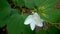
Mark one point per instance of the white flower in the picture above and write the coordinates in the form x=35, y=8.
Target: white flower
x=34, y=20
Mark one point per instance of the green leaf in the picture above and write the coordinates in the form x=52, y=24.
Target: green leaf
x=51, y=15
x=53, y=30
x=29, y=3
x=2, y=23
x=4, y=11
x=39, y=2
x=3, y=4
x=42, y=32
x=50, y=30
x=47, y=11
x=19, y=3
x=24, y=3
x=15, y=24
x=34, y=3
x=46, y=3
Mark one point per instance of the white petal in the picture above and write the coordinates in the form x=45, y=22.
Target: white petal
x=39, y=21
x=36, y=15
x=32, y=25
x=28, y=20
x=40, y=24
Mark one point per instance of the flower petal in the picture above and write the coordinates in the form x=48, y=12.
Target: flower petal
x=32, y=25
x=28, y=20
x=40, y=24
x=36, y=15
x=39, y=20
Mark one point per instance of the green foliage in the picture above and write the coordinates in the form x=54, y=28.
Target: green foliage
x=53, y=30
x=15, y=20
x=50, y=30
x=2, y=24
x=42, y=32
x=47, y=11
x=15, y=24
x=4, y=11
x=19, y=3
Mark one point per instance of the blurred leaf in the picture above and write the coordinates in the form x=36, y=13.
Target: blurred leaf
x=39, y=2
x=48, y=3
x=15, y=21
x=15, y=24
x=50, y=30
x=42, y=32
x=4, y=11
x=3, y=4
x=51, y=15
x=47, y=11
x=2, y=23
x=24, y=3
x=19, y=3
x=53, y=30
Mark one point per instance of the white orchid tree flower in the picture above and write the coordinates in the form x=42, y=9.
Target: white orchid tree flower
x=34, y=20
